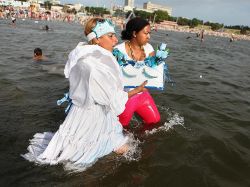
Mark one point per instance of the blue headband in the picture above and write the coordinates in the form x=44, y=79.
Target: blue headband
x=100, y=29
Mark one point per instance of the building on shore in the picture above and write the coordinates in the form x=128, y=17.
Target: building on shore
x=54, y=2
x=154, y=7
x=14, y=3
x=168, y=25
x=77, y=7
x=128, y=5
x=56, y=8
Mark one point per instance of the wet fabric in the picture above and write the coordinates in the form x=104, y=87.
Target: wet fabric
x=91, y=128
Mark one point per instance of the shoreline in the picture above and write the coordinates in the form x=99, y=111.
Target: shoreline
x=28, y=13
x=231, y=36
x=172, y=26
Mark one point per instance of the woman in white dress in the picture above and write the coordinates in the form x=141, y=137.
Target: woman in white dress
x=91, y=128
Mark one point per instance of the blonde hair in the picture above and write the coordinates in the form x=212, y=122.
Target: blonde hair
x=89, y=25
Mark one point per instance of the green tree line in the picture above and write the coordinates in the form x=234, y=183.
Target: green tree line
x=157, y=16
x=97, y=10
x=163, y=15
x=243, y=29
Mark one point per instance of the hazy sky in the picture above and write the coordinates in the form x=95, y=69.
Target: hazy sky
x=229, y=12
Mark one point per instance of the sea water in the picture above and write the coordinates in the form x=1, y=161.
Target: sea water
x=204, y=135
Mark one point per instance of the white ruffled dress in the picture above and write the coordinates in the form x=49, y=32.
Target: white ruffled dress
x=91, y=128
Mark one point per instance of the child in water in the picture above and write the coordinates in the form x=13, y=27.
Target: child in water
x=38, y=55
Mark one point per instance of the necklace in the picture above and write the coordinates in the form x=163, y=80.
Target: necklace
x=143, y=55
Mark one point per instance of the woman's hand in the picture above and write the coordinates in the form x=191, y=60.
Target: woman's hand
x=138, y=89
x=142, y=88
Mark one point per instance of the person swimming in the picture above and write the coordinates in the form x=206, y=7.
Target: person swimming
x=46, y=28
x=38, y=54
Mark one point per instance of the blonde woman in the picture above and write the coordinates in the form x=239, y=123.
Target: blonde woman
x=91, y=128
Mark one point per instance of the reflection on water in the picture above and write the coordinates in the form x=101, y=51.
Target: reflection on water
x=202, y=140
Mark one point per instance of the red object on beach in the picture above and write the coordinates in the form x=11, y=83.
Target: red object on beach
x=144, y=105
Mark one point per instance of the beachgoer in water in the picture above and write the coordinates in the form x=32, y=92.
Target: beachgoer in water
x=46, y=27
x=13, y=20
x=232, y=38
x=137, y=48
x=202, y=35
x=91, y=129
x=38, y=54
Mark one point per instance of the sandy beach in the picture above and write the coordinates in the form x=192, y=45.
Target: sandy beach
x=173, y=26
x=206, y=32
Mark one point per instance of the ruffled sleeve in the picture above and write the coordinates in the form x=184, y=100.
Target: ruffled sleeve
x=105, y=90
x=148, y=49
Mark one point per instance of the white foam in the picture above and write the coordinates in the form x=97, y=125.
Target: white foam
x=176, y=119
x=134, y=153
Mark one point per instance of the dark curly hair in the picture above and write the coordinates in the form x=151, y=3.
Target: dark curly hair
x=136, y=24
x=38, y=52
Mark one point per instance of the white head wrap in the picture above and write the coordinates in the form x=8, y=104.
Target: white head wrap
x=100, y=29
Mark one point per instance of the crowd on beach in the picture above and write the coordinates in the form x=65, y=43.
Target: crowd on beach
x=11, y=12
x=28, y=13
x=177, y=28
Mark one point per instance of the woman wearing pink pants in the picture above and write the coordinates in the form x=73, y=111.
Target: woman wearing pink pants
x=136, y=48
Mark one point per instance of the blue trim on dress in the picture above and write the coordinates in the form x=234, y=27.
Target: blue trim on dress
x=66, y=98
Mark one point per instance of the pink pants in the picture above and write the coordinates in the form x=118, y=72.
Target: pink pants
x=144, y=105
